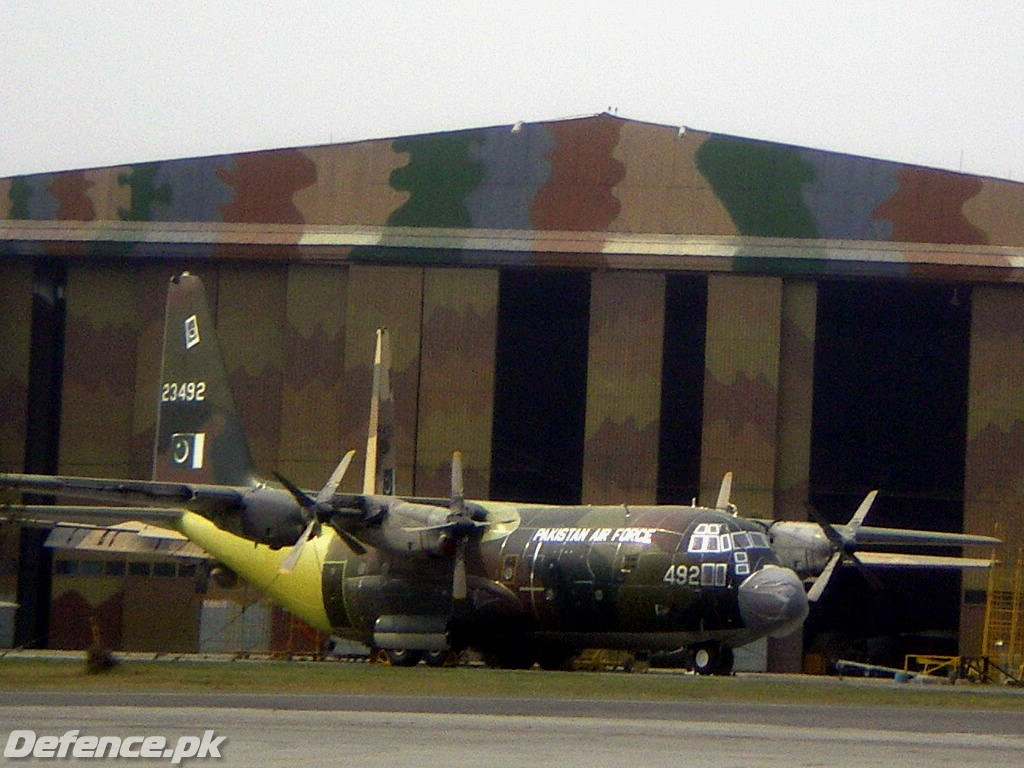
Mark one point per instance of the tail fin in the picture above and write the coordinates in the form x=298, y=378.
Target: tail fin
x=199, y=437
x=379, y=473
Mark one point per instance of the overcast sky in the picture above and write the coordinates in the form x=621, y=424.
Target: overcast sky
x=88, y=83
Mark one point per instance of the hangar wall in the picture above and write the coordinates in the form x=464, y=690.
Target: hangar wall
x=741, y=386
x=620, y=452
x=594, y=174
x=306, y=251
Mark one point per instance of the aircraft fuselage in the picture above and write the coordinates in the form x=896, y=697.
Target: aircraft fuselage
x=642, y=578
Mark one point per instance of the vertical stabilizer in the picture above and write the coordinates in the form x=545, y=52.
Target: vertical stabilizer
x=379, y=473
x=199, y=437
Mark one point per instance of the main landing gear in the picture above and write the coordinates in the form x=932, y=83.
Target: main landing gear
x=402, y=658
x=396, y=657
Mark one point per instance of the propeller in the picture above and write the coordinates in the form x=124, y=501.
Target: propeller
x=462, y=526
x=844, y=547
x=314, y=510
x=456, y=527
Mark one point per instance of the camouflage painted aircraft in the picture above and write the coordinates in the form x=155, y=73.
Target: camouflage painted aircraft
x=424, y=578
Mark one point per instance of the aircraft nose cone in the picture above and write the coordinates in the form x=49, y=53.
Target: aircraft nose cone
x=772, y=601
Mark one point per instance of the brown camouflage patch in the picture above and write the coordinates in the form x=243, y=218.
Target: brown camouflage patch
x=70, y=191
x=579, y=194
x=258, y=202
x=928, y=207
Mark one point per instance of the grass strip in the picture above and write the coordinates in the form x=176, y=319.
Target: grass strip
x=301, y=677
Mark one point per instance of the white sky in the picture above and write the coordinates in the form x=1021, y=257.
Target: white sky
x=85, y=83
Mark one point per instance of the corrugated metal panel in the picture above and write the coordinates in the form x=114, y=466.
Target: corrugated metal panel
x=994, y=478
x=741, y=388
x=456, y=398
x=391, y=297
x=251, y=314
x=16, y=320
x=796, y=398
x=627, y=315
x=312, y=418
x=100, y=343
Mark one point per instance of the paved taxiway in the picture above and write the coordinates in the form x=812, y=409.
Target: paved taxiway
x=268, y=730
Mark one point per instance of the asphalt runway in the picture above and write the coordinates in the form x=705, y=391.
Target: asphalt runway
x=267, y=730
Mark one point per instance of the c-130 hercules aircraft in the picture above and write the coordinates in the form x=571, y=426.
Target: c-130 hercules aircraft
x=423, y=578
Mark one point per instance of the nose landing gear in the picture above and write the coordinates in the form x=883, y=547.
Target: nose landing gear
x=712, y=659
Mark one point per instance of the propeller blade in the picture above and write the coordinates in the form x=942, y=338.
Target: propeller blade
x=296, y=551
x=315, y=509
x=454, y=523
x=327, y=492
x=873, y=581
x=299, y=495
x=459, y=571
x=818, y=587
x=862, y=511
x=353, y=543
x=458, y=501
x=458, y=519
x=833, y=535
x=845, y=546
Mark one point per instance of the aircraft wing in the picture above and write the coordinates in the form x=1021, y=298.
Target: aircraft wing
x=898, y=560
x=868, y=535
x=141, y=493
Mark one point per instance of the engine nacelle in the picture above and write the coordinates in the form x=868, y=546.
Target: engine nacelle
x=802, y=547
x=402, y=526
x=271, y=516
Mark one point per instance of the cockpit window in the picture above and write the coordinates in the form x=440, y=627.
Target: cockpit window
x=715, y=537
x=707, y=537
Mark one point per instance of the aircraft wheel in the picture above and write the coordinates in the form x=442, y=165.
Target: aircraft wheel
x=441, y=658
x=403, y=657
x=712, y=659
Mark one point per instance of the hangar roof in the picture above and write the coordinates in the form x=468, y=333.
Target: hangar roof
x=593, y=192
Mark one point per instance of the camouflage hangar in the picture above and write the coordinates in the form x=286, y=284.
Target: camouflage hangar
x=594, y=309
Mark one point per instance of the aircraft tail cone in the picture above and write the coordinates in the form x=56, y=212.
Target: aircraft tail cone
x=773, y=601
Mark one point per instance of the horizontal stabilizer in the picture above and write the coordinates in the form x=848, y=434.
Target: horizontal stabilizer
x=137, y=527
x=45, y=514
x=126, y=538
